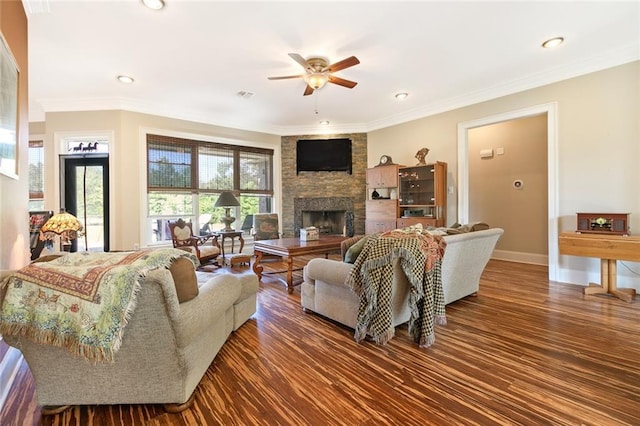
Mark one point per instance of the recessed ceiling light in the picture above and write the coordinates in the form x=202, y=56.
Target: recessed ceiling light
x=125, y=79
x=154, y=4
x=553, y=42
x=401, y=95
x=324, y=122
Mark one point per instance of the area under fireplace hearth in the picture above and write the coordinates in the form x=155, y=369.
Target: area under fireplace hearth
x=331, y=215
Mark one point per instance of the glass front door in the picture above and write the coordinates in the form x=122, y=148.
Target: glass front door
x=86, y=195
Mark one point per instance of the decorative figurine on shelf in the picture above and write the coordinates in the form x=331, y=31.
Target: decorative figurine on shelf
x=421, y=155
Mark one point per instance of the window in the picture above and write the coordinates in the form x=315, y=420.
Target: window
x=36, y=175
x=185, y=178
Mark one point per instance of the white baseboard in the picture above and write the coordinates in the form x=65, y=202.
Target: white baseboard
x=521, y=257
x=9, y=366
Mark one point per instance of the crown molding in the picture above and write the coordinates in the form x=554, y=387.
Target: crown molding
x=626, y=54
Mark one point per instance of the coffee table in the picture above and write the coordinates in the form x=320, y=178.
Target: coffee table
x=290, y=248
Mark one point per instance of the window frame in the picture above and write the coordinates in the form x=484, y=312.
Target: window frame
x=37, y=196
x=194, y=187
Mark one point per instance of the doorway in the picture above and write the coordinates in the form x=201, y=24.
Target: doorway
x=508, y=185
x=85, y=194
x=551, y=111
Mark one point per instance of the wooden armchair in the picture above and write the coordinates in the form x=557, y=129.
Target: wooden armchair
x=183, y=238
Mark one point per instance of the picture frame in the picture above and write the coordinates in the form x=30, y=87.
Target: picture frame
x=9, y=80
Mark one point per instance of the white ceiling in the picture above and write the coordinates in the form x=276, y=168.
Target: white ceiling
x=190, y=59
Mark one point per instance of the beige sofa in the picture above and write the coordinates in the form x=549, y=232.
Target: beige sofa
x=166, y=348
x=324, y=291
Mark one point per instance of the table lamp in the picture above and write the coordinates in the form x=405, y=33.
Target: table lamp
x=64, y=224
x=227, y=200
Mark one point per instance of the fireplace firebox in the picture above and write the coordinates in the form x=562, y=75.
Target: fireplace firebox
x=331, y=215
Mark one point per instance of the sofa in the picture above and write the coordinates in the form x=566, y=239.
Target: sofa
x=166, y=348
x=324, y=291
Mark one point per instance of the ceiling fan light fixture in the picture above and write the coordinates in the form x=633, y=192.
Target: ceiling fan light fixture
x=316, y=80
x=553, y=42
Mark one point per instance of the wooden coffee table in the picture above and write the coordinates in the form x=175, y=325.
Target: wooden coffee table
x=290, y=248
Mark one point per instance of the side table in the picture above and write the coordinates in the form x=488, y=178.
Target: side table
x=610, y=249
x=230, y=234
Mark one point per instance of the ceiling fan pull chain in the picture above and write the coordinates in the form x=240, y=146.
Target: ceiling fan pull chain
x=316, y=100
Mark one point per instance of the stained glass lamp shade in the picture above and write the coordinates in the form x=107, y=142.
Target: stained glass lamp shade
x=64, y=224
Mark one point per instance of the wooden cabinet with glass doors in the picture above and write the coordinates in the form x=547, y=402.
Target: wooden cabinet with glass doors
x=422, y=195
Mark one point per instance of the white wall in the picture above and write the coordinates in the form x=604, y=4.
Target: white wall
x=598, y=151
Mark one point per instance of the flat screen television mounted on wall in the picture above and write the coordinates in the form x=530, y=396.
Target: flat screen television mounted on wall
x=323, y=155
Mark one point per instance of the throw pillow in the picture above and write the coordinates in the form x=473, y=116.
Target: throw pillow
x=479, y=226
x=345, y=244
x=184, y=278
x=352, y=253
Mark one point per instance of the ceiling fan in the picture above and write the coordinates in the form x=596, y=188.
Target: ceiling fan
x=319, y=71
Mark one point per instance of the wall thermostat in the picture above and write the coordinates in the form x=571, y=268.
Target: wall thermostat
x=518, y=184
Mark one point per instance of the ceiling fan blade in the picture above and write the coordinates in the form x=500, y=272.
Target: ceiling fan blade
x=299, y=59
x=284, y=77
x=345, y=63
x=308, y=90
x=342, y=82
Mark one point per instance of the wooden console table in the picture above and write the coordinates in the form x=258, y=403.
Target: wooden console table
x=610, y=249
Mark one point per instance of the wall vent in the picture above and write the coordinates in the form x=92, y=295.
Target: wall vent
x=245, y=94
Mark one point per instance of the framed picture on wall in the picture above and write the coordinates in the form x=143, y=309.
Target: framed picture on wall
x=8, y=111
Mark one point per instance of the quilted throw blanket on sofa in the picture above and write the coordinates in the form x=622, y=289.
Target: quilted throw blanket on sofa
x=80, y=301
x=420, y=258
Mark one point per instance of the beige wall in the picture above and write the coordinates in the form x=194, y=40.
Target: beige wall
x=598, y=153
x=521, y=212
x=14, y=195
x=127, y=159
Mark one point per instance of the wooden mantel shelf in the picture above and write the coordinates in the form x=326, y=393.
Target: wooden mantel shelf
x=610, y=249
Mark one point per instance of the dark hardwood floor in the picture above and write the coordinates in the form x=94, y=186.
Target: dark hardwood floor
x=525, y=351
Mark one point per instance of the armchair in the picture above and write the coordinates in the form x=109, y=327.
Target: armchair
x=183, y=238
x=265, y=226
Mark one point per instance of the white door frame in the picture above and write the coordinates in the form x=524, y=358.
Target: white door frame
x=551, y=109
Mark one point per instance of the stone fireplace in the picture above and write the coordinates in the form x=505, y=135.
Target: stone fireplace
x=331, y=215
